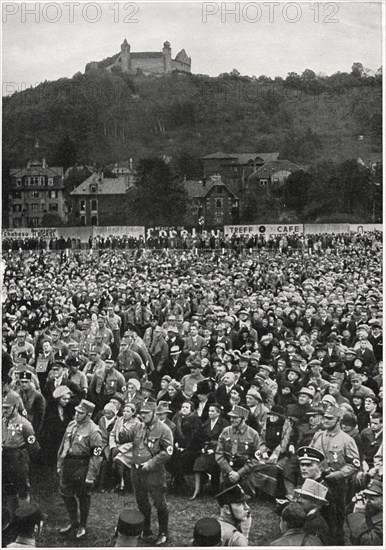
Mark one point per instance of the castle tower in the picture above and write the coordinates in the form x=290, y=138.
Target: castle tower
x=167, y=55
x=125, y=57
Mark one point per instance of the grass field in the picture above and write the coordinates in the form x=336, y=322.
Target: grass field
x=105, y=509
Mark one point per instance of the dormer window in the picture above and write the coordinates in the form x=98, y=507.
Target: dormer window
x=50, y=181
x=93, y=188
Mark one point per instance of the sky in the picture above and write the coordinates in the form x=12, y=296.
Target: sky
x=46, y=41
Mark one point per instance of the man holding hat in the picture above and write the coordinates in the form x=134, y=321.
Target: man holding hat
x=238, y=451
x=129, y=528
x=29, y=522
x=312, y=496
x=292, y=521
x=342, y=462
x=18, y=442
x=235, y=516
x=366, y=528
x=79, y=462
x=152, y=448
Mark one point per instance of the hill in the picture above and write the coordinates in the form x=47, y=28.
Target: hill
x=101, y=117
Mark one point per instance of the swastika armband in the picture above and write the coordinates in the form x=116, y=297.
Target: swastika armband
x=97, y=451
x=31, y=439
x=169, y=450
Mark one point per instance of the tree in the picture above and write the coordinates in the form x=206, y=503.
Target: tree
x=295, y=193
x=160, y=200
x=52, y=219
x=66, y=153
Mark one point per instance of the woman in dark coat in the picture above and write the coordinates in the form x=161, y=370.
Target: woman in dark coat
x=187, y=444
x=59, y=413
x=206, y=463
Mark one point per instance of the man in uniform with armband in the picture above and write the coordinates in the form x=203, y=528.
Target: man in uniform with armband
x=341, y=463
x=18, y=443
x=79, y=461
x=239, y=450
x=152, y=448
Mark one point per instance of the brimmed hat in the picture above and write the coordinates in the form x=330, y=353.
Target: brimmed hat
x=294, y=368
x=315, y=363
x=130, y=522
x=375, y=487
x=148, y=385
x=313, y=489
x=315, y=409
x=232, y=495
x=207, y=532
x=85, y=407
x=203, y=387
x=61, y=391
x=239, y=412
x=167, y=378
x=163, y=407
x=130, y=406
x=252, y=392
x=277, y=410
x=136, y=383
x=307, y=391
x=334, y=411
x=28, y=515
x=174, y=350
x=172, y=329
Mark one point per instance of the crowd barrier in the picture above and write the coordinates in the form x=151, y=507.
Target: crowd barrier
x=84, y=234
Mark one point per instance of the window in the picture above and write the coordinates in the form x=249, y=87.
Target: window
x=17, y=222
x=82, y=206
x=219, y=204
x=219, y=190
x=16, y=208
x=35, y=194
x=263, y=183
x=17, y=195
x=41, y=180
x=93, y=205
x=83, y=220
x=51, y=181
x=218, y=218
x=93, y=188
x=35, y=207
x=34, y=222
x=94, y=220
x=18, y=182
x=53, y=194
x=53, y=207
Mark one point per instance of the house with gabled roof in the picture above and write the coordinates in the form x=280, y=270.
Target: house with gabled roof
x=210, y=203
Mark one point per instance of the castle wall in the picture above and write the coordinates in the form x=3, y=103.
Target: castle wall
x=150, y=65
x=178, y=65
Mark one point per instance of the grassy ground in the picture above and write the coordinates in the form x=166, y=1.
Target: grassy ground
x=105, y=509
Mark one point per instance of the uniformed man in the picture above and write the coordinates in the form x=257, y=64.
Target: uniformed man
x=79, y=461
x=239, y=451
x=341, y=462
x=366, y=526
x=235, y=516
x=28, y=522
x=152, y=448
x=129, y=528
x=18, y=443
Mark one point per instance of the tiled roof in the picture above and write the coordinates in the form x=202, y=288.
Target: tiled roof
x=110, y=186
x=196, y=189
x=37, y=170
x=275, y=166
x=243, y=158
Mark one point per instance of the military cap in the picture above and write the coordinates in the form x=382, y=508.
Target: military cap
x=267, y=368
x=375, y=487
x=25, y=376
x=130, y=522
x=351, y=351
x=207, y=532
x=11, y=399
x=294, y=368
x=58, y=365
x=150, y=406
x=85, y=407
x=239, y=412
x=242, y=311
x=167, y=378
x=61, y=391
x=231, y=495
x=315, y=363
x=334, y=411
x=306, y=454
x=373, y=398
x=109, y=362
x=315, y=409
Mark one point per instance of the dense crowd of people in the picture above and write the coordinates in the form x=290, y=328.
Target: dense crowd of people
x=235, y=374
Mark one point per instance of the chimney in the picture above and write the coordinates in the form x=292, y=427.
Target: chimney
x=29, y=164
x=204, y=182
x=44, y=163
x=131, y=164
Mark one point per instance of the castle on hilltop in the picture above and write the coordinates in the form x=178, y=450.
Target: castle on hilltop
x=149, y=63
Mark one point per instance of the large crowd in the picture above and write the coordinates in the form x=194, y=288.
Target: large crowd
x=253, y=370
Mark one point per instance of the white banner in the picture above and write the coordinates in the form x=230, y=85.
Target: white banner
x=264, y=229
x=364, y=227
x=28, y=233
x=119, y=231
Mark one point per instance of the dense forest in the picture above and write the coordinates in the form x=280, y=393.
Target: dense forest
x=101, y=117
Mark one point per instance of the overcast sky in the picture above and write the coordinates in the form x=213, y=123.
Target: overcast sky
x=56, y=41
